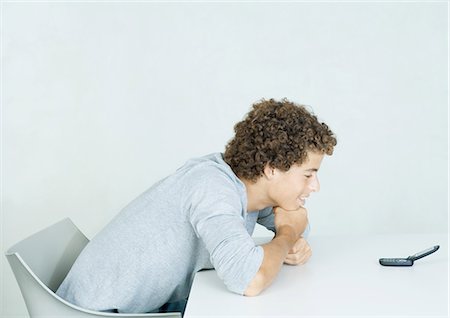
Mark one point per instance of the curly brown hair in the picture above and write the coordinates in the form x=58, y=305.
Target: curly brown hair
x=278, y=133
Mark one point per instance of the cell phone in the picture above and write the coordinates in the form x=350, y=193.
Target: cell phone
x=409, y=261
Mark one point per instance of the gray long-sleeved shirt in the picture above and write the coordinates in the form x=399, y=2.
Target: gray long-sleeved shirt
x=148, y=254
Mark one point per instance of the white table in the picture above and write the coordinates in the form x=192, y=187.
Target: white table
x=342, y=278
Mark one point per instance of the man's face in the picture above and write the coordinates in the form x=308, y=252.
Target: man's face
x=289, y=189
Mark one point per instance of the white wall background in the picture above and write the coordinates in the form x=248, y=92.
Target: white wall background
x=100, y=100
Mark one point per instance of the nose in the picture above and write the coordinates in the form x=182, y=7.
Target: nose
x=314, y=185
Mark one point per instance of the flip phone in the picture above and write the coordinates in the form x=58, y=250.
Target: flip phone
x=409, y=261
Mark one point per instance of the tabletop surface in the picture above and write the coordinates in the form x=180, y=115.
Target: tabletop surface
x=342, y=278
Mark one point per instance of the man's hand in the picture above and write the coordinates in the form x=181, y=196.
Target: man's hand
x=299, y=253
x=297, y=219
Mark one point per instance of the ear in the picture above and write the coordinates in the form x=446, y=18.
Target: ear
x=269, y=172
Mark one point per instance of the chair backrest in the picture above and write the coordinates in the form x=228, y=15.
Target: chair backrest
x=50, y=253
x=41, y=262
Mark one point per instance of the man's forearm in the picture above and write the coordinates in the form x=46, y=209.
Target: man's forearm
x=275, y=253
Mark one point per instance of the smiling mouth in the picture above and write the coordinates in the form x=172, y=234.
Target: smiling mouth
x=301, y=201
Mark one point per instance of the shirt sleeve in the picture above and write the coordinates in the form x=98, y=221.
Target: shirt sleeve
x=215, y=209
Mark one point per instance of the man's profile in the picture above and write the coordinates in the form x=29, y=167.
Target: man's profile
x=203, y=216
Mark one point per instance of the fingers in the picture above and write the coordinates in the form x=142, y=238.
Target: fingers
x=277, y=209
x=298, y=259
x=300, y=245
x=299, y=254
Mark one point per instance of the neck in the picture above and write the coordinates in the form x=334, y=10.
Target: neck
x=256, y=195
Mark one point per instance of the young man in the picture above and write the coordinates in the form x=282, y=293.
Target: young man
x=203, y=215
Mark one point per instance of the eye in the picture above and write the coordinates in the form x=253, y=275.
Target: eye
x=308, y=175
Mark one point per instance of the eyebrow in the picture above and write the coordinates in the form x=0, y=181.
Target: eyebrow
x=312, y=169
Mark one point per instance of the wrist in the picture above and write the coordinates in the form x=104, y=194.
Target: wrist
x=288, y=233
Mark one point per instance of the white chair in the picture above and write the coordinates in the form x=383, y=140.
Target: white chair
x=41, y=262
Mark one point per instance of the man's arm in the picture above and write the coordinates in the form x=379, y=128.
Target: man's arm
x=289, y=225
x=275, y=253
